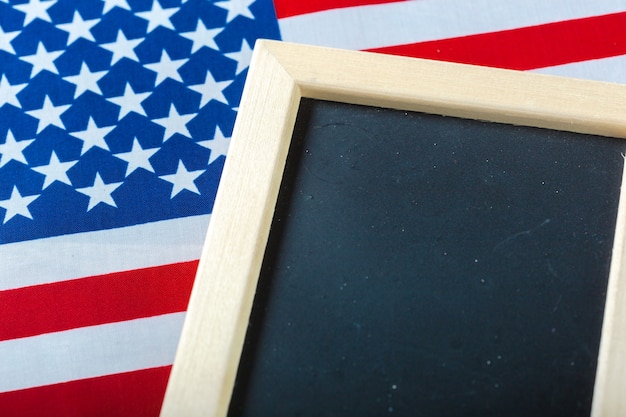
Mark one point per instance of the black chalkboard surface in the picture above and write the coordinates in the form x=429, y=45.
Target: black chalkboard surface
x=421, y=265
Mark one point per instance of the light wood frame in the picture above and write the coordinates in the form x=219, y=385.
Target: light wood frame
x=280, y=75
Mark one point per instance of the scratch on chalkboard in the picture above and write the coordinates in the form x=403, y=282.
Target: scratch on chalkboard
x=558, y=302
x=551, y=269
x=522, y=233
x=348, y=157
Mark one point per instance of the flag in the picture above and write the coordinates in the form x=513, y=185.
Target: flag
x=115, y=118
x=569, y=38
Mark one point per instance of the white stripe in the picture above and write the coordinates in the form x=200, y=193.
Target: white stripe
x=86, y=254
x=606, y=69
x=367, y=27
x=89, y=352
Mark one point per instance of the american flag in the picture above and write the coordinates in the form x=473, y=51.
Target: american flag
x=115, y=118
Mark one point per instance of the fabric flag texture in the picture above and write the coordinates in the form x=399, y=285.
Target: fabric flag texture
x=115, y=119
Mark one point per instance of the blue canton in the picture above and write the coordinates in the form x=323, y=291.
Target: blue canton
x=118, y=112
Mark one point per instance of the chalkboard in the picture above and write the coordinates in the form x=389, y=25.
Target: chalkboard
x=416, y=238
x=421, y=265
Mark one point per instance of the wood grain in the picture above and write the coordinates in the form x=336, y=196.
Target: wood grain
x=608, y=393
x=212, y=338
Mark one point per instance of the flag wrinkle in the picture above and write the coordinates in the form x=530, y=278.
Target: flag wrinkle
x=96, y=300
x=369, y=27
x=79, y=255
x=89, y=352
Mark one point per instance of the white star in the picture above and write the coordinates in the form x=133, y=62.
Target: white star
x=35, y=9
x=86, y=80
x=8, y=92
x=236, y=8
x=17, y=205
x=5, y=40
x=138, y=157
x=158, y=16
x=55, y=170
x=218, y=145
x=182, y=180
x=79, y=28
x=122, y=47
x=110, y=4
x=13, y=150
x=166, y=67
x=202, y=37
x=175, y=123
x=42, y=60
x=130, y=101
x=211, y=89
x=100, y=192
x=49, y=114
x=242, y=57
x=93, y=136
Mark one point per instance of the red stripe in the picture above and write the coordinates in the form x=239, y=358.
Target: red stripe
x=530, y=47
x=96, y=300
x=131, y=394
x=287, y=8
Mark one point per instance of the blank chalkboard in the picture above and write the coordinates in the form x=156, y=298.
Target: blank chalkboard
x=395, y=236
x=421, y=265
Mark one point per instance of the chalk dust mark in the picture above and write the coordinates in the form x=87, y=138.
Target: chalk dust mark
x=551, y=269
x=556, y=306
x=523, y=233
x=319, y=177
x=323, y=178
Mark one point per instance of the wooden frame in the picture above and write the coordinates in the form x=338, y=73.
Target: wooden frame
x=280, y=75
